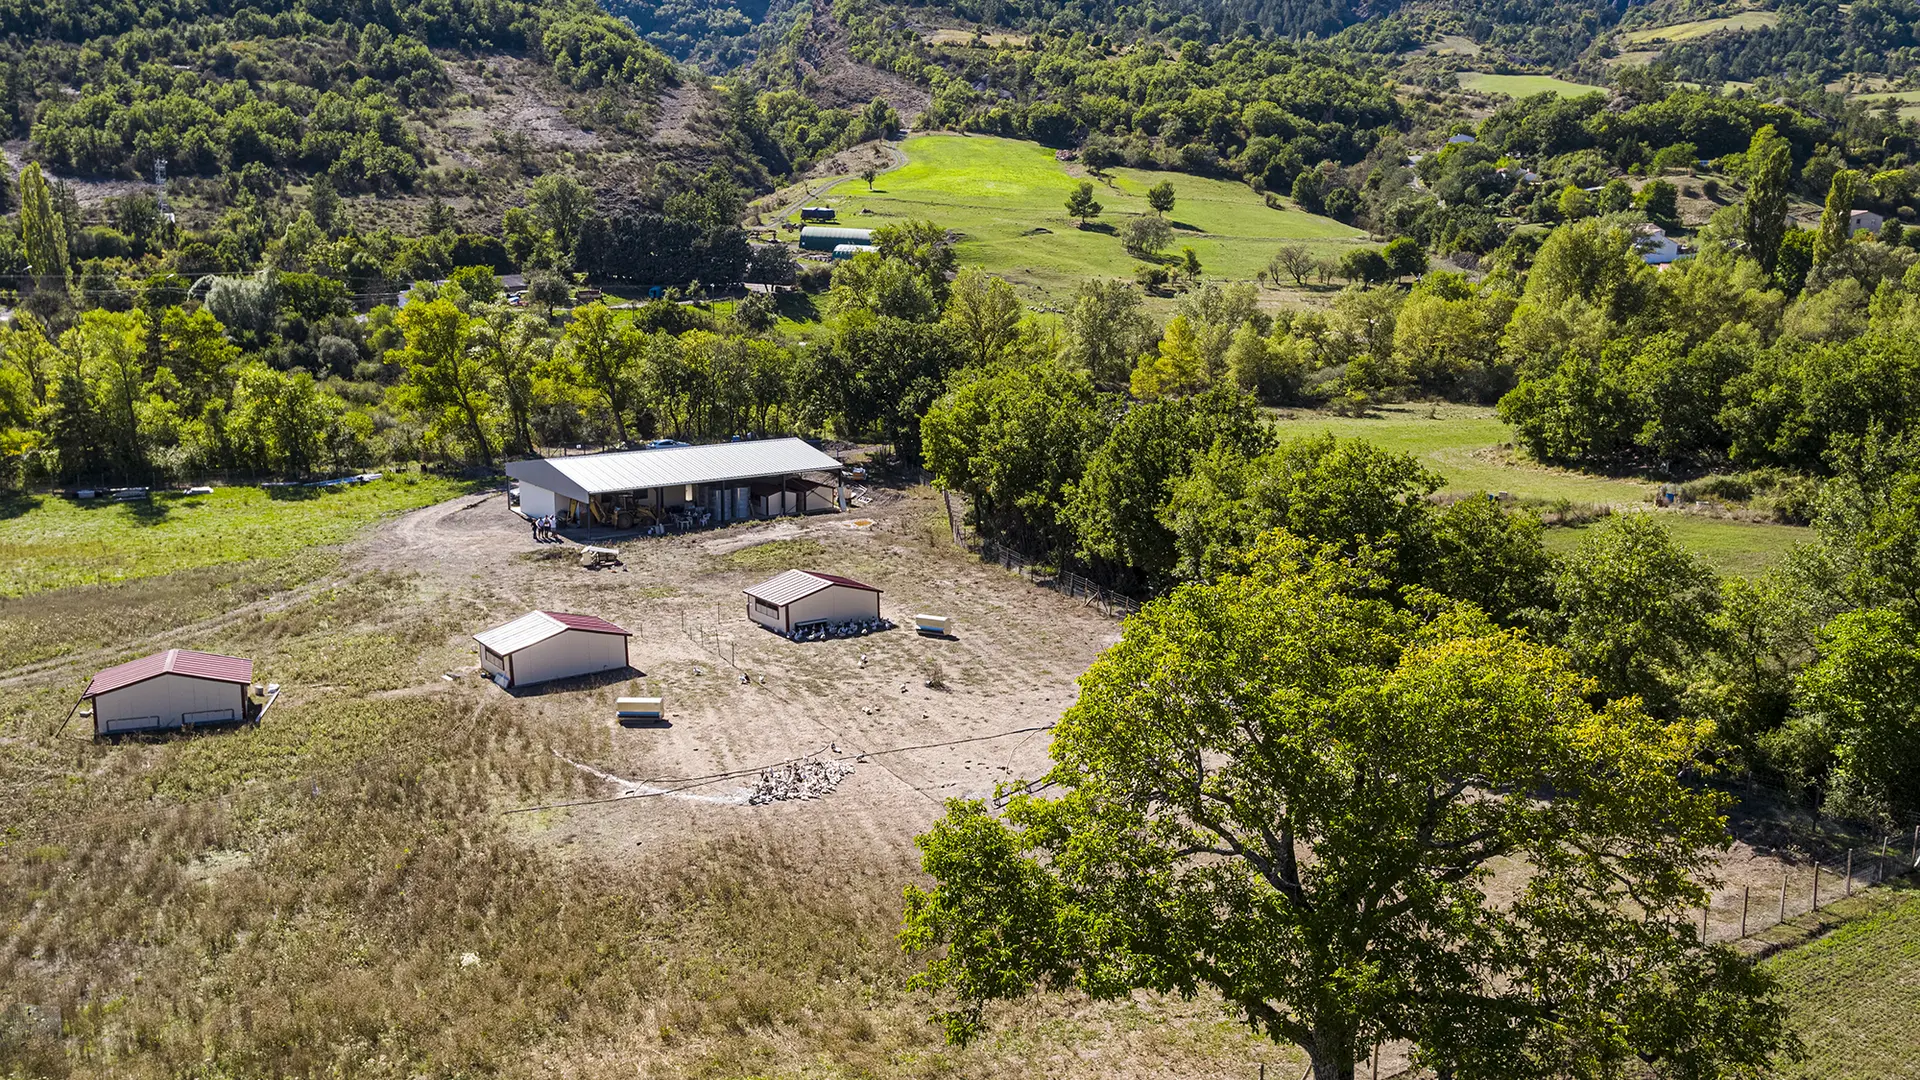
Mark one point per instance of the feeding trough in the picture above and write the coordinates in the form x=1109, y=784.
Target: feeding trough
x=638, y=708
x=933, y=625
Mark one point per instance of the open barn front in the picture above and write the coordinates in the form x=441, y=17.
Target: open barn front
x=674, y=489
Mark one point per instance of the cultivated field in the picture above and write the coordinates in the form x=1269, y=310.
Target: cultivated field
x=1909, y=101
x=1520, y=86
x=1007, y=199
x=1471, y=448
x=1699, y=28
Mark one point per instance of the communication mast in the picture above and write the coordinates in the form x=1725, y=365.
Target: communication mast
x=160, y=181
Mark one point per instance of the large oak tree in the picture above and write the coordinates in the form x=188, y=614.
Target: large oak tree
x=1355, y=821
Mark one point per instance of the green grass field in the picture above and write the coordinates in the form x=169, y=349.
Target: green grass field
x=1909, y=102
x=1520, y=86
x=1699, y=28
x=53, y=542
x=1467, y=445
x=1853, y=994
x=1008, y=200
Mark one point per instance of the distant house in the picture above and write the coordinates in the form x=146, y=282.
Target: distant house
x=1864, y=221
x=1655, y=246
x=1458, y=140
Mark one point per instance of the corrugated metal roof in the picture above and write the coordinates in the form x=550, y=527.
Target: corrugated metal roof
x=197, y=665
x=785, y=588
x=537, y=626
x=672, y=466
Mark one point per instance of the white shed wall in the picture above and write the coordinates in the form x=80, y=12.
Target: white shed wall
x=835, y=603
x=169, y=698
x=566, y=654
x=536, y=501
x=767, y=614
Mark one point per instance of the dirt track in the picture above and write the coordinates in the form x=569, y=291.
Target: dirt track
x=1012, y=668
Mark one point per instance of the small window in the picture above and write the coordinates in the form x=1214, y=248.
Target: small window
x=491, y=657
x=765, y=608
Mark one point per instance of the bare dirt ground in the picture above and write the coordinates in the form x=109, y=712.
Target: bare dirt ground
x=510, y=105
x=739, y=698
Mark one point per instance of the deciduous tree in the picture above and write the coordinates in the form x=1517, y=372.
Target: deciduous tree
x=1283, y=789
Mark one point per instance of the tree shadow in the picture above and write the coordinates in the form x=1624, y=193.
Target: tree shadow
x=152, y=510
x=13, y=506
x=292, y=493
x=1184, y=227
x=797, y=306
x=1098, y=227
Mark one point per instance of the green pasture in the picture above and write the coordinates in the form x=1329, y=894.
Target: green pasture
x=1852, y=994
x=1699, y=28
x=1520, y=86
x=1469, y=447
x=52, y=542
x=1909, y=102
x=1007, y=199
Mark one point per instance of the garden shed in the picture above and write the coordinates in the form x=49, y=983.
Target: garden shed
x=800, y=598
x=176, y=689
x=544, y=645
x=828, y=237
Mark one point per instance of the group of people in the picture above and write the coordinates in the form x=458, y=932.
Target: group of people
x=543, y=529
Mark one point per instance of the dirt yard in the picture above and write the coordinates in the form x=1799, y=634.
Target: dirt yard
x=739, y=698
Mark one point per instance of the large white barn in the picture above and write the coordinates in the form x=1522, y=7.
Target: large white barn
x=178, y=688
x=637, y=488
x=800, y=598
x=544, y=645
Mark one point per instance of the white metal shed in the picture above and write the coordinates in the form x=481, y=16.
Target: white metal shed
x=179, y=688
x=544, y=645
x=739, y=481
x=802, y=597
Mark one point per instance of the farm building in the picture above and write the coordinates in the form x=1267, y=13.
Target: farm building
x=800, y=598
x=1864, y=221
x=681, y=485
x=1655, y=246
x=544, y=645
x=816, y=213
x=848, y=251
x=178, y=688
x=826, y=238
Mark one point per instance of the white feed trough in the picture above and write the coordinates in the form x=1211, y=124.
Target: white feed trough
x=638, y=708
x=934, y=625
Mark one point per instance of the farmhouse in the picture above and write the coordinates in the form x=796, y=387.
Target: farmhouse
x=800, y=598
x=544, y=645
x=1655, y=246
x=1864, y=221
x=680, y=486
x=178, y=688
x=826, y=238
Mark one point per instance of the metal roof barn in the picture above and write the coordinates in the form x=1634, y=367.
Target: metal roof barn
x=725, y=482
x=828, y=237
x=179, y=688
x=802, y=597
x=544, y=645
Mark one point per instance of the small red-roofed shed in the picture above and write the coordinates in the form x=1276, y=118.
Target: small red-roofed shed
x=544, y=645
x=179, y=688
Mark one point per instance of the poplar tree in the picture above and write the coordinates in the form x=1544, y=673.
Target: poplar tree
x=1764, y=212
x=1836, y=221
x=43, y=231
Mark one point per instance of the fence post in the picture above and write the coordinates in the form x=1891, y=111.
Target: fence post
x=1816, y=885
x=1916, y=846
x=1704, y=908
x=1746, y=891
x=1849, y=872
x=1783, y=896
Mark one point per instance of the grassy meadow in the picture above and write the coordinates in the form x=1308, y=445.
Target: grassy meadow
x=52, y=542
x=1520, y=86
x=1853, y=992
x=1699, y=28
x=1007, y=199
x=1469, y=447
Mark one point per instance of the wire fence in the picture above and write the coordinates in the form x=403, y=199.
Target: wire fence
x=1107, y=601
x=1741, y=910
